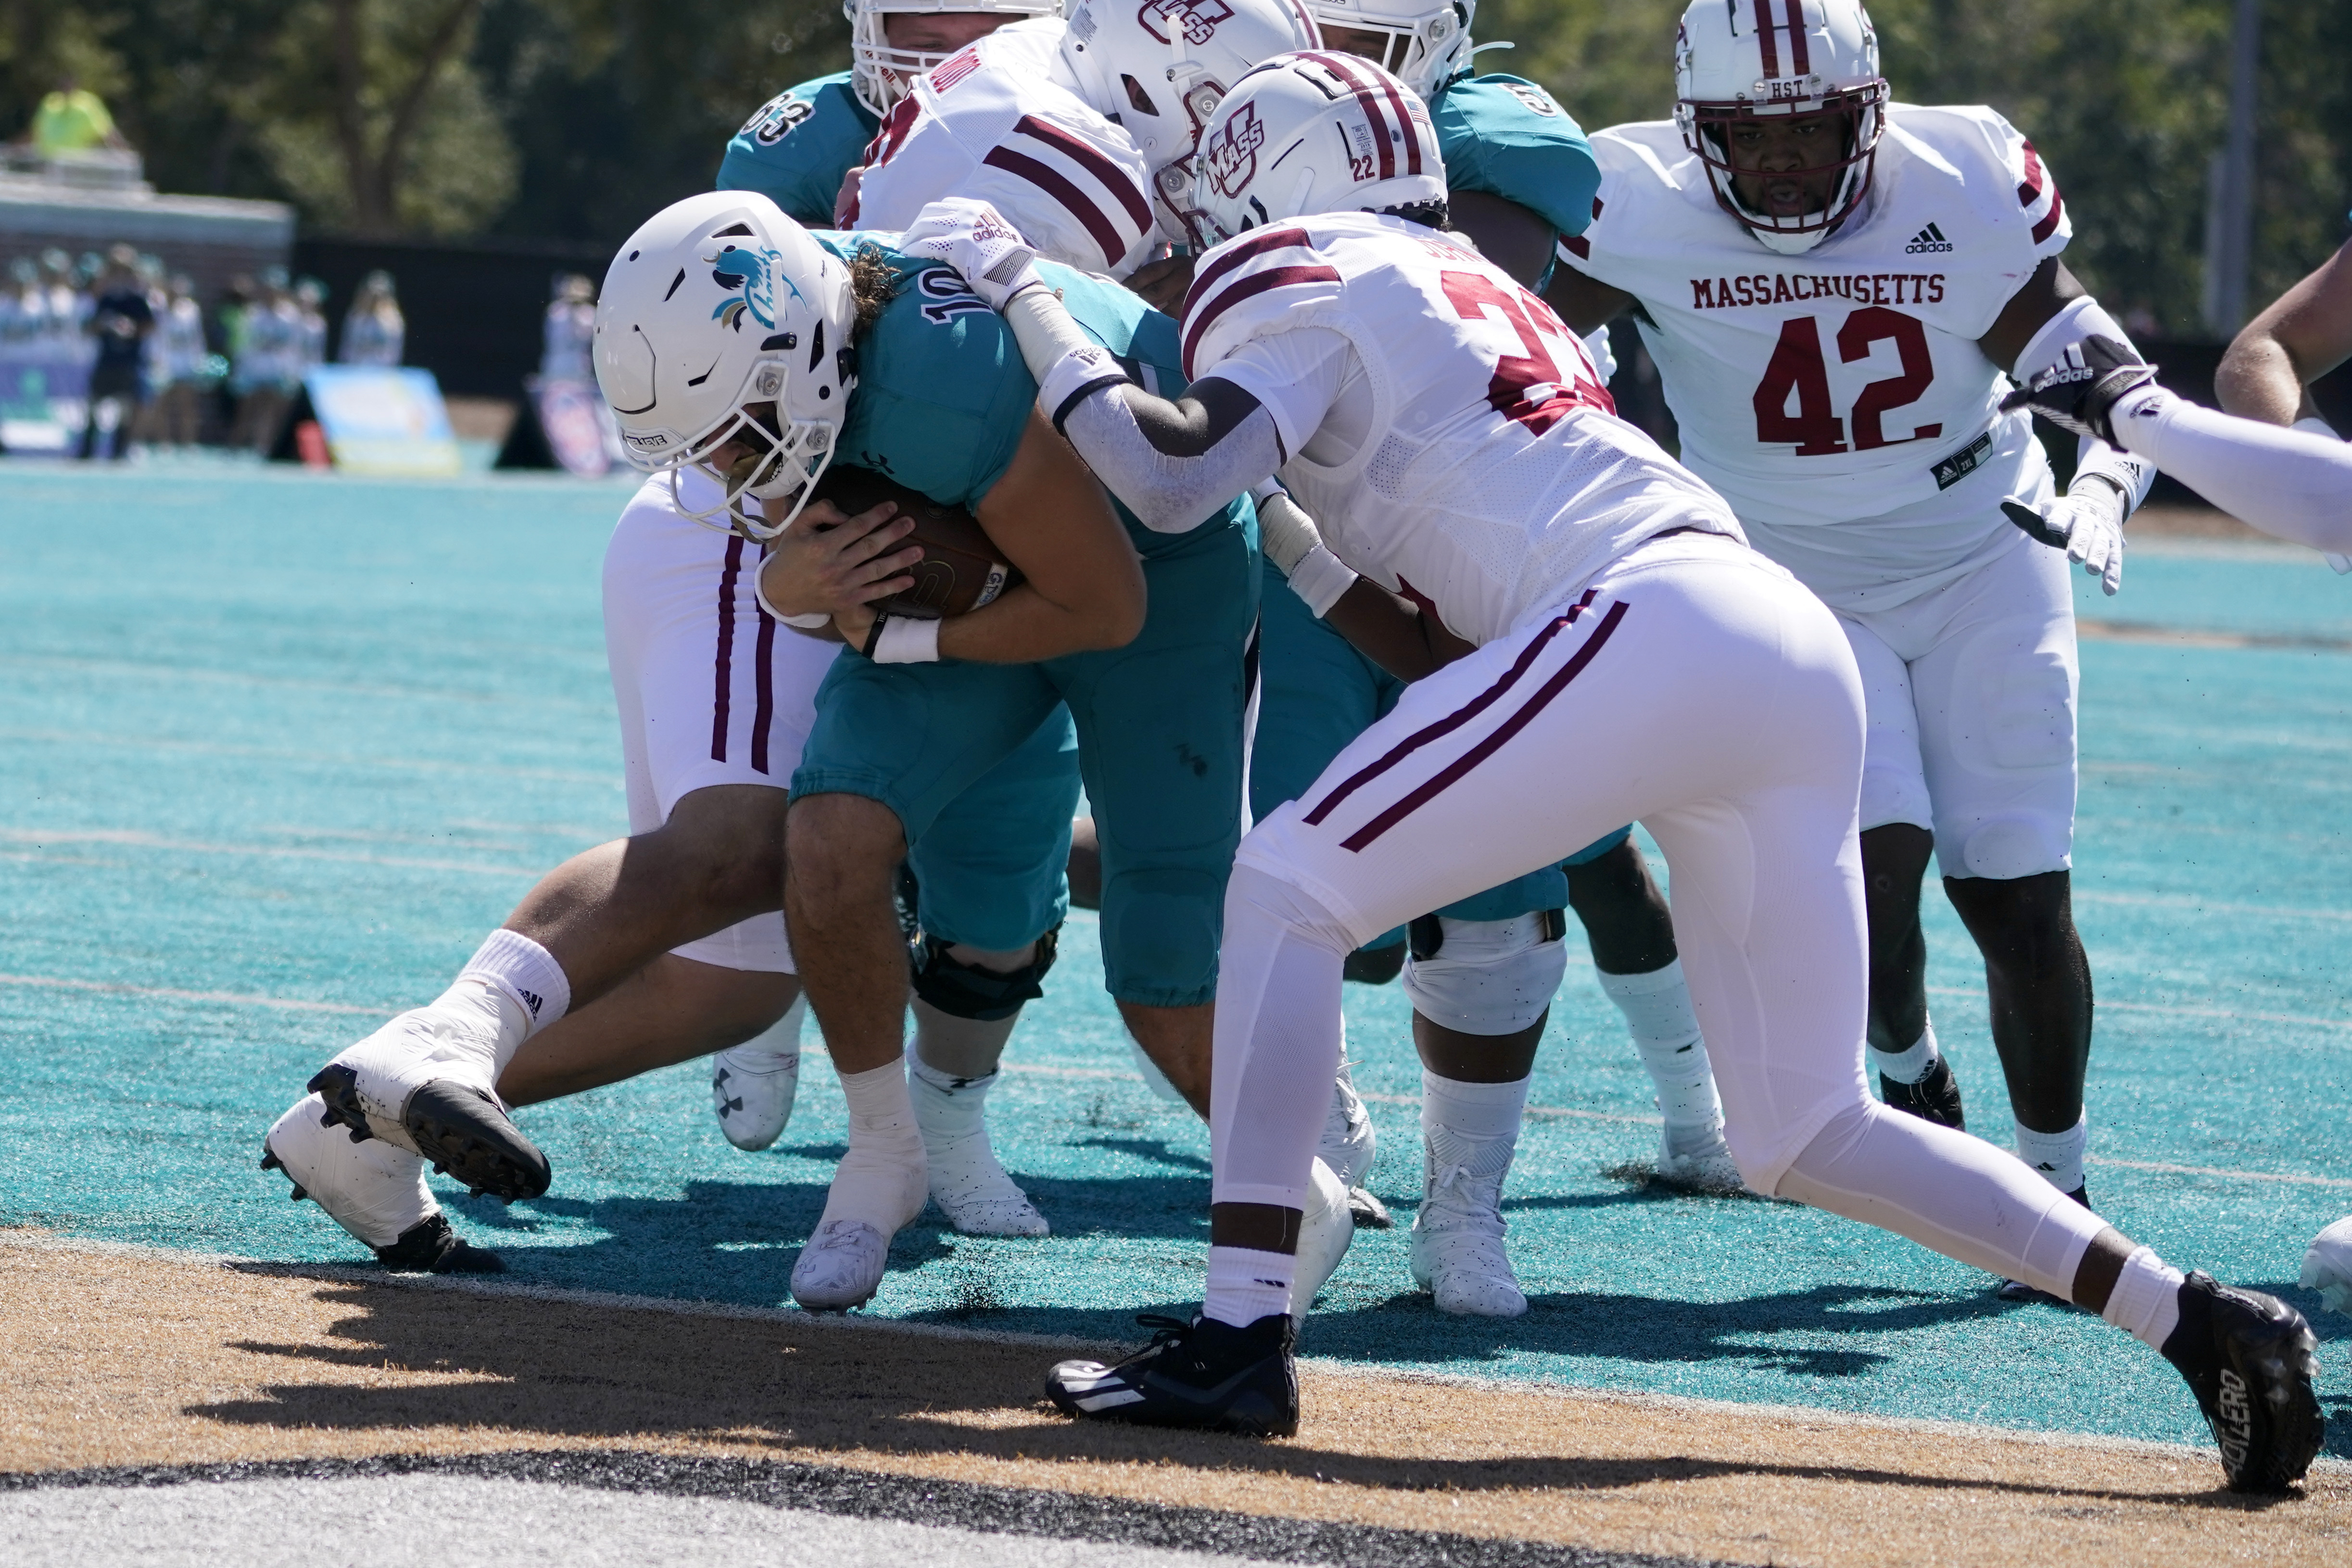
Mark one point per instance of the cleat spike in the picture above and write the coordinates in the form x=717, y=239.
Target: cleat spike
x=270, y=1161
x=300, y=1192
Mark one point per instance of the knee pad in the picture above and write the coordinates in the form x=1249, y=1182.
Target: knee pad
x=1486, y=977
x=984, y=996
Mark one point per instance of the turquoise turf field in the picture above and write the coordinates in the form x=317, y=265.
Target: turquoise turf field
x=276, y=750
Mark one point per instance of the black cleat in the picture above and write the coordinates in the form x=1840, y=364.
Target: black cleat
x=1203, y=1374
x=1934, y=1098
x=2249, y=1359
x=460, y=1129
x=430, y=1246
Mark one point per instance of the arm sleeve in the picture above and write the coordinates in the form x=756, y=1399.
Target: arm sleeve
x=1168, y=494
x=2293, y=484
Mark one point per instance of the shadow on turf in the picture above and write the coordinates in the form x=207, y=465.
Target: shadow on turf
x=502, y=1362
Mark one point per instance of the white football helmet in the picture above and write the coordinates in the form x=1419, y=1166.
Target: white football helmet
x=878, y=74
x=1749, y=59
x=1158, y=68
x=1318, y=132
x=1429, y=43
x=723, y=321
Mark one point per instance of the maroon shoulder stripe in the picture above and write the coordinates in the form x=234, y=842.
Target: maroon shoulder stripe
x=1255, y=284
x=2049, y=223
x=1459, y=716
x=2030, y=190
x=763, y=712
x=1237, y=253
x=1056, y=184
x=1579, y=248
x=1453, y=772
x=1115, y=180
x=723, y=681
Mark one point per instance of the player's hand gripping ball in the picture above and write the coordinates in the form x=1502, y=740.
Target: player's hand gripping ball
x=960, y=569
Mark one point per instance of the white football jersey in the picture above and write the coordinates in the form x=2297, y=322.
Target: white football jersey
x=1490, y=475
x=1842, y=386
x=997, y=122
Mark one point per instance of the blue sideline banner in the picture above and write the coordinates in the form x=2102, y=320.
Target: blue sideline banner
x=383, y=421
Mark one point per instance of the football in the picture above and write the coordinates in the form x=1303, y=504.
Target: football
x=961, y=569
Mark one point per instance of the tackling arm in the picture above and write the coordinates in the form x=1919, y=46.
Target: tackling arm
x=2306, y=333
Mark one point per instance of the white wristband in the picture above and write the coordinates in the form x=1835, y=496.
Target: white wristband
x=1066, y=363
x=1319, y=579
x=908, y=639
x=814, y=621
x=1285, y=533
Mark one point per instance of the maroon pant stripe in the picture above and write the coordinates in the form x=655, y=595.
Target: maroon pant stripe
x=1453, y=771
x=1455, y=721
x=763, y=715
x=724, y=680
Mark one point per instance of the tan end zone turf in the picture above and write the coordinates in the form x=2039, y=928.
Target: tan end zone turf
x=131, y=1357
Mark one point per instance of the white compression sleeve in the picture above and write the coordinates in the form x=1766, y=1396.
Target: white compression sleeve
x=2295, y=484
x=1170, y=495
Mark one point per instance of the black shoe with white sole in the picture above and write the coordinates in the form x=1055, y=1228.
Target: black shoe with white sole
x=430, y=1246
x=1203, y=1374
x=1934, y=1098
x=2249, y=1359
x=464, y=1133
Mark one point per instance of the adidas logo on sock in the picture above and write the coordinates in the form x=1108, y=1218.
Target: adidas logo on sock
x=1930, y=239
x=529, y=1000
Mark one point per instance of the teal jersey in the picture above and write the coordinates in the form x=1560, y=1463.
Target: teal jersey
x=796, y=149
x=1508, y=138
x=943, y=396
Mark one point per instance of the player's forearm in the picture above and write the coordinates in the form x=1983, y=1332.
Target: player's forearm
x=2291, y=483
x=1024, y=626
x=2257, y=380
x=1389, y=630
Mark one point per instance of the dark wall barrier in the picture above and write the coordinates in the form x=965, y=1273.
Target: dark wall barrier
x=474, y=311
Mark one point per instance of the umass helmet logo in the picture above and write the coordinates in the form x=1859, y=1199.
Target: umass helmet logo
x=1232, y=152
x=1195, y=19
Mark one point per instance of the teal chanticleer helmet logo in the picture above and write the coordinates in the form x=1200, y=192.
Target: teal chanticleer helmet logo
x=755, y=273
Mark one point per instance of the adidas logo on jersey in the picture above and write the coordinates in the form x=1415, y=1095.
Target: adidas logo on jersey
x=1929, y=240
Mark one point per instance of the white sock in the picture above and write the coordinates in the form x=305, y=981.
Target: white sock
x=883, y=1173
x=2145, y=1301
x=1469, y=1131
x=947, y=1106
x=1245, y=1284
x=2057, y=1156
x=1908, y=1066
x=527, y=974
x=1657, y=1009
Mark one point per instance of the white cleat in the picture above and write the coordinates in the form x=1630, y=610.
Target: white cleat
x=372, y=1190
x=973, y=1191
x=424, y=1083
x=1456, y=1253
x=752, y=1085
x=841, y=1266
x=1467, y=1272
x=2327, y=1266
x=1325, y=1229
x=1697, y=1159
x=1348, y=1142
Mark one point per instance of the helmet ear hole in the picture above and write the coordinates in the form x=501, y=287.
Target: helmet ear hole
x=1139, y=100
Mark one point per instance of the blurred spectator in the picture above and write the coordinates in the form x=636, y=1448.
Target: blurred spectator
x=72, y=121
x=264, y=369
x=184, y=365
x=310, y=344
x=374, y=333
x=571, y=331
x=120, y=319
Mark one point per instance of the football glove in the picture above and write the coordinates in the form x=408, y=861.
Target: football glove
x=2087, y=523
x=975, y=239
x=2080, y=391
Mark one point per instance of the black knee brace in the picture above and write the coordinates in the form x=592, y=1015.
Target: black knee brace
x=984, y=996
